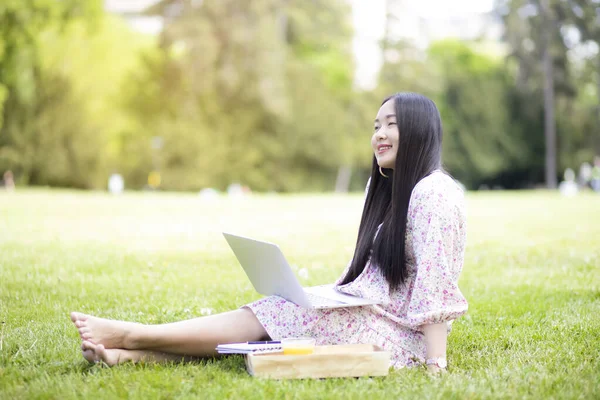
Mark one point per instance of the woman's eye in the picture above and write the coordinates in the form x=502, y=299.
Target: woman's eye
x=376, y=128
x=391, y=123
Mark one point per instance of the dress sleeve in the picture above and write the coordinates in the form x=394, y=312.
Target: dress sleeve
x=438, y=225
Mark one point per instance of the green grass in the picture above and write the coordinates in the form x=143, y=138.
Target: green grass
x=531, y=275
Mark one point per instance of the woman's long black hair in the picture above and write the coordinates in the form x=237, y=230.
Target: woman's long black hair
x=418, y=155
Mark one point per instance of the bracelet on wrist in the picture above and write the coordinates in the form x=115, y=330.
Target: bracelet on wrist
x=439, y=362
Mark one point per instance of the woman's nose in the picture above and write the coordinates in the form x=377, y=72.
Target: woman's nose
x=380, y=134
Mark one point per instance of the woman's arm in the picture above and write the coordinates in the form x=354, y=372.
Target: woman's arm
x=436, y=336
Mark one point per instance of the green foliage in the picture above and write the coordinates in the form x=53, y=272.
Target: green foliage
x=230, y=94
x=473, y=96
x=21, y=25
x=262, y=93
x=57, y=119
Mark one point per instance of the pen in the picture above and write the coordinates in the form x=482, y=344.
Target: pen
x=266, y=342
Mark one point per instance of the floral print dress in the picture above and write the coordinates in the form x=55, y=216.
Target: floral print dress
x=435, y=245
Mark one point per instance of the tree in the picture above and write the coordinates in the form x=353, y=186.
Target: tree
x=536, y=35
x=549, y=119
x=473, y=97
x=585, y=15
x=568, y=25
x=22, y=26
x=258, y=93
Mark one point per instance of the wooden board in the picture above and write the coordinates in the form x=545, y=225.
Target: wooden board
x=352, y=360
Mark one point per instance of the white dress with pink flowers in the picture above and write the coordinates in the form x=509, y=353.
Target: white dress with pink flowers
x=435, y=245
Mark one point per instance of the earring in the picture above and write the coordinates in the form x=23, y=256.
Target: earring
x=382, y=174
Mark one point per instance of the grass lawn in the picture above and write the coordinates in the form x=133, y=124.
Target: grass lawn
x=531, y=275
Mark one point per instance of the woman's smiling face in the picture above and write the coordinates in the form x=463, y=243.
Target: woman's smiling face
x=385, y=137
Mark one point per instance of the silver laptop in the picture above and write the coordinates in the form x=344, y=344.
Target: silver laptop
x=270, y=274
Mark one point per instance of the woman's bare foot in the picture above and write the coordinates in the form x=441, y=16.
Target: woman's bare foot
x=109, y=333
x=98, y=353
x=94, y=353
x=112, y=357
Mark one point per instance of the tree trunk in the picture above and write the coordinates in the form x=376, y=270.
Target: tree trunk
x=549, y=120
x=596, y=134
x=342, y=183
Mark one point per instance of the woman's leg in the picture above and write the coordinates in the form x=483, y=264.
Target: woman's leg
x=196, y=337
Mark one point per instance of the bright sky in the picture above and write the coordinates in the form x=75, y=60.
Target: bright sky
x=368, y=18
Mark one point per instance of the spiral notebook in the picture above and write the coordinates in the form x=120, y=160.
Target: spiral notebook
x=250, y=347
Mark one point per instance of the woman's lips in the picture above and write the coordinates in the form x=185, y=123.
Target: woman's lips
x=382, y=148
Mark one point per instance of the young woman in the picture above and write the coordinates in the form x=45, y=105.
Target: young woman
x=409, y=255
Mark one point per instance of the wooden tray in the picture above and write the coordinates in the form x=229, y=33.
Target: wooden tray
x=350, y=360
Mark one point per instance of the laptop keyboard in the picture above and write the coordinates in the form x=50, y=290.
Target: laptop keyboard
x=318, y=301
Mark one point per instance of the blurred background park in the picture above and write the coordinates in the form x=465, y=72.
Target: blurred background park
x=279, y=95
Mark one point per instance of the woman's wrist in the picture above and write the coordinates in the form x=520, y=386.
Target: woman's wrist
x=435, y=336
x=436, y=362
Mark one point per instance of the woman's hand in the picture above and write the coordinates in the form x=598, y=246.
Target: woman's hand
x=435, y=370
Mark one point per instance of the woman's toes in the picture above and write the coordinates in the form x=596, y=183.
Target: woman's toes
x=85, y=334
x=76, y=316
x=79, y=323
x=84, y=330
x=89, y=356
x=88, y=350
x=87, y=345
